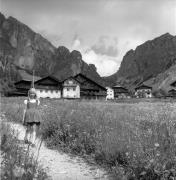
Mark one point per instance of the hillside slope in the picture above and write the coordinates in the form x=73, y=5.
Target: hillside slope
x=151, y=60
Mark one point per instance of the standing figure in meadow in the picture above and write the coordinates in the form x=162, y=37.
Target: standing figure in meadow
x=32, y=117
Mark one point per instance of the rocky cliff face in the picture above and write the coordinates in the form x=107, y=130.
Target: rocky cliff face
x=147, y=61
x=23, y=50
x=71, y=63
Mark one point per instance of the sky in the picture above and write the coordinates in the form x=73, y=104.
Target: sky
x=102, y=30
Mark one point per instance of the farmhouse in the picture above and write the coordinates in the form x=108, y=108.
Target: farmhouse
x=48, y=87
x=90, y=89
x=71, y=88
x=173, y=84
x=110, y=93
x=22, y=87
x=120, y=92
x=172, y=93
x=78, y=86
x=143, y=91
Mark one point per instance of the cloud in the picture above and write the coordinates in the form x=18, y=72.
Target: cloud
x=95, y=25
x=105, y=64
x=106, y=46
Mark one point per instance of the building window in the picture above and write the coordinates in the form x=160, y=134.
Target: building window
x=74, y=89
x=41, y=90
x=68, y=89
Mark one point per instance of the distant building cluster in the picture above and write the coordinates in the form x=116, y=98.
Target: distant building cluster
x=75, y=87
x=117, y=92
x=82, y=87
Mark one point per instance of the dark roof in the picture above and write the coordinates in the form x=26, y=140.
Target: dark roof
x=71, y=77
x=29, y=79
x=119, y=87
x=173, y=84
x=172, y=90
x=50, y=76
x=143, y=86
x=80, y=74
x=23, y=80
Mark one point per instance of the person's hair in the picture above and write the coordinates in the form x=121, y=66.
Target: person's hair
x=33, y=94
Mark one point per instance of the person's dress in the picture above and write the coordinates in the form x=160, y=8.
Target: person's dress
x=32, y=114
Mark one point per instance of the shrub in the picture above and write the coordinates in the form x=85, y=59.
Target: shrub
x=16, y=162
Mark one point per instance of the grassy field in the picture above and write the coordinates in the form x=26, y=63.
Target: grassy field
x=136, y=139
x=16, y=161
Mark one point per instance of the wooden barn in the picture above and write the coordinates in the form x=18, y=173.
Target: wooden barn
x=48, y=87
x=120, y=92
x=173, y=84
x=143, y=91
x=71, y=88
x=75, y=87
x=22, y=87
x=172, y=93
x=90, y=89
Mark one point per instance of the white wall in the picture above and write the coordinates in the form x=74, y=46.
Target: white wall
x=41, y=93
x=71, y=93
x=146, y=92
x=110, y=93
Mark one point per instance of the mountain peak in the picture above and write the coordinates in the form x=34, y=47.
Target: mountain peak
x=147, y=60
x=2, y=18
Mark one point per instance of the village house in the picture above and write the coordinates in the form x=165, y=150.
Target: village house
x=143, y=91
x=173, y=84
x=110, y=93
x=48, y=87
x=120, y=92
x=71, y=88
x=22, y=87
x=172, y=92
x=90, y=89
x=79, y=86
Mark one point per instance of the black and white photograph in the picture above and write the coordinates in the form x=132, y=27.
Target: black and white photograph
x=88, y=89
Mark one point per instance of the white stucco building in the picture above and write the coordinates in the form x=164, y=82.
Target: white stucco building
x=71, y=88
x=48, y=87
x=110, y=93
x=143, y=91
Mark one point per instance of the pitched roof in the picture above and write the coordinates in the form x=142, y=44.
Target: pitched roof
x=143, y=86
x=172, y=90
x=71, y=77
x=173, y=83
x=50, y=76
x=80, y=74
x=118, y=87
x=23, y=80
x=29, y=79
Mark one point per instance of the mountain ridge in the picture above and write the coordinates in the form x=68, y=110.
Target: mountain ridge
x=147, y=61
x=22, y=49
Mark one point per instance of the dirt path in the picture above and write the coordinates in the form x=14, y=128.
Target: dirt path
x=60, y=166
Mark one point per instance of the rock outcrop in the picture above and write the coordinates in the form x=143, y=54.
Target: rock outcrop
x=146, y=62
x=21, y=49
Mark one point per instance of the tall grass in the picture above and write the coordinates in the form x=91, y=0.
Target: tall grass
x=136, y=141
x=16, y=161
